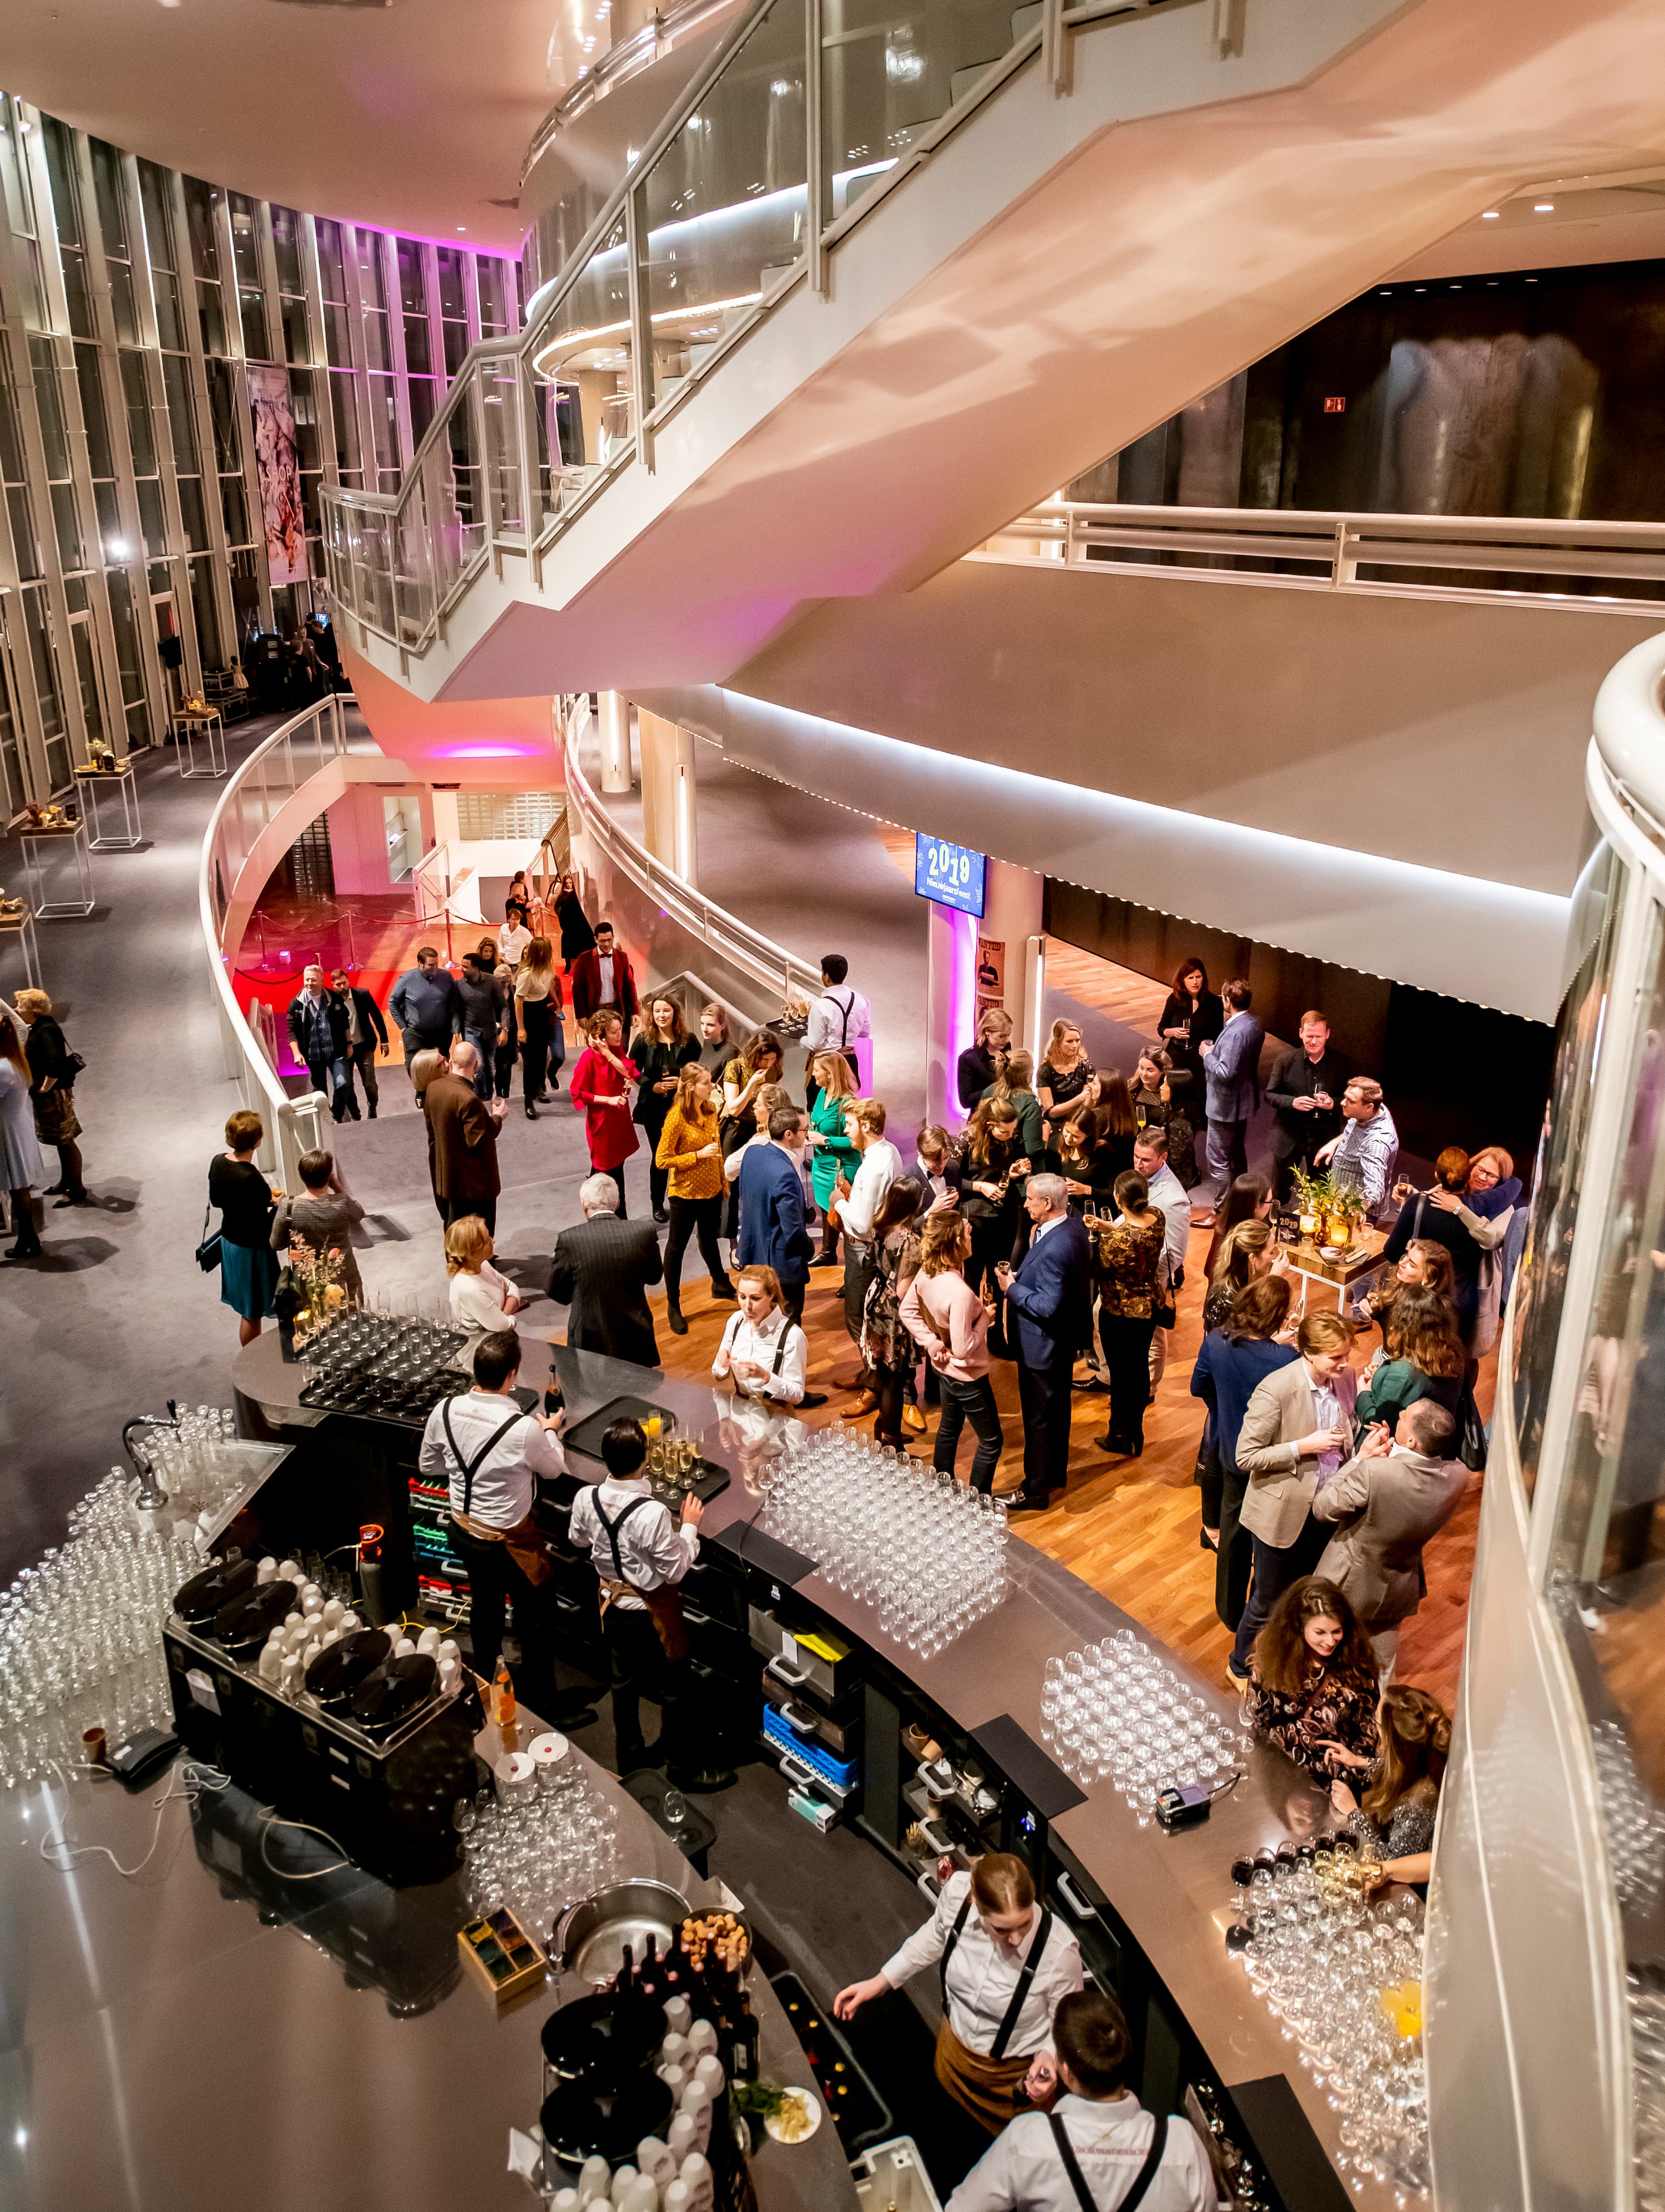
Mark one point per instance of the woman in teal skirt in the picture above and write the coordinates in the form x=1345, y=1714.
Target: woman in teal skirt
x=831, y=1151
x=248, y=1265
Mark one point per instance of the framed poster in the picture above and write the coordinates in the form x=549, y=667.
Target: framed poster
x=277, y=465
x=991, y=971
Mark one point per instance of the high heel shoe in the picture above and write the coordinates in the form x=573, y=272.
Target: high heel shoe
x=1206, y=1542
x=678, y=1325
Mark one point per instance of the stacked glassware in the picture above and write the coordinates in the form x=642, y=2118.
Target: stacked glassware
x=399, y=1364
x=925, y=1552
x=1646, y=1987
x=1115, y=1711
x=1343, y=1974
x=81, y=1634
x=540, y=1849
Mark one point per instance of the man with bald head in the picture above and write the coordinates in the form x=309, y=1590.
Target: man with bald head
x=462, y=1140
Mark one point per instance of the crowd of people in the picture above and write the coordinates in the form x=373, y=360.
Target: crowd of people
x=1052, y=1235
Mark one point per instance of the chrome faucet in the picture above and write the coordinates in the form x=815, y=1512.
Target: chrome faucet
x=150, y=1492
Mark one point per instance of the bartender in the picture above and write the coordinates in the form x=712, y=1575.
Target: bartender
x=1004, y=1962
x=642, y=1555
x=1098, y=2149
x=491, y=1454
x=763, y=1350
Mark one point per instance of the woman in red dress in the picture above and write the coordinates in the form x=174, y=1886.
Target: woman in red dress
x=601, y=1086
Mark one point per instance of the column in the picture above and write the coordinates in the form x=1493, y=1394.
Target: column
x=615, y=742
x=1012, y=948
x=669, y=813
x=950, y=1007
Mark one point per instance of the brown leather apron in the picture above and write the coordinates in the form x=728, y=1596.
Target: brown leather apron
x=987, y=2085
x=525, y=1542
x=664, y=1604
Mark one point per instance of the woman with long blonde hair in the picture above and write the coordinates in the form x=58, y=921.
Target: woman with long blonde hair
x=690, y=1158
x=831, y=1152
x=538, y=1008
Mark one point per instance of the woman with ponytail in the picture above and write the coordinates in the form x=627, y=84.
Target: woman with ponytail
x=1395, y=1821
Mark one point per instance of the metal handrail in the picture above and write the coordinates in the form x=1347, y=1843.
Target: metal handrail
x=1333, y=546
x=766, y=964
x=293, y=1125
x=404, y=567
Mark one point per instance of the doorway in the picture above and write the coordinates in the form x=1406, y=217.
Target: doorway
x=170, y=646
x=90, y=679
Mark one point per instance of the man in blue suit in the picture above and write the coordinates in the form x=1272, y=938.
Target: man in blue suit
x=1047, y=1302
x=774, y=1221
x=1232, y=1072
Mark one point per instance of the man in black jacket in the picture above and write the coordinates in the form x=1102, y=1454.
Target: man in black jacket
x=318, y=1031
x=1305, y=1097
x=601, y=1270
x=365, y=1029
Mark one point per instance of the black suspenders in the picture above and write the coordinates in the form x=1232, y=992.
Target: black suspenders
x=471, y=1467
x=1142, y=2181
x=613, y=1526
x=1008, y=2026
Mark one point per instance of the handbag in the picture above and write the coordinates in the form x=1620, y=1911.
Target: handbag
x=208, y=1250
x=1162, y=1308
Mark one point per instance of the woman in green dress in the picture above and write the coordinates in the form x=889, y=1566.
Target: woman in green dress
x=831, y=1151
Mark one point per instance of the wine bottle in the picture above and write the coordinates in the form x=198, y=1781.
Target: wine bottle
x=625, y=1979
x=742, y=2065
x=650, y=1975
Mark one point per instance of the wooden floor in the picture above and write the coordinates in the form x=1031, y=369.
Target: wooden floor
x=1128, y=1527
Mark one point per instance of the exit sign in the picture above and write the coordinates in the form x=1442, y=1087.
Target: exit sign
x=1335, y=407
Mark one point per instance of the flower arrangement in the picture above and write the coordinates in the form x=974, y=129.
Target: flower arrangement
x=320, y=1293
x=1330, y=1210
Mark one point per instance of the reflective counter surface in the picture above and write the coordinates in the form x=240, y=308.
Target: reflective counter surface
x=212, y=2035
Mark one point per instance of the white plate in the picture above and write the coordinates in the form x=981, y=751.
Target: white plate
x=811, y=2104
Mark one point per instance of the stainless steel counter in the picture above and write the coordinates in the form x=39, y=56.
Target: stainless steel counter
x=210, y=2035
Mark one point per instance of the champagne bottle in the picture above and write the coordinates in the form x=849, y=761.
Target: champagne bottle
x=625, y=1979
x=743, y=2066
x=649, y=1976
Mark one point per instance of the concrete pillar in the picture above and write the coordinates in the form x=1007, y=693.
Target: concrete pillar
x=1011, y=958
x=669, y=821
x=615, y=742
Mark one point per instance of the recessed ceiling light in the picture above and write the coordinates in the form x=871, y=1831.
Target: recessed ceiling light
x=1491, y=215
x=1543, y=207
x=461, y=228
x=1422, y=287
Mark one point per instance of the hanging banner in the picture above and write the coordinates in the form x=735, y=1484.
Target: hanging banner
x=277, y=462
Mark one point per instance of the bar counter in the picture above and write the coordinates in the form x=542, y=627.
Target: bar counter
x=1169, y=1893
x=215, y=2036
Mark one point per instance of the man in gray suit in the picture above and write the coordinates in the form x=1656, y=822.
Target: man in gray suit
x=601, y=1270
x=1388, y=1502
x=1296, y=1436
x=1231, y=1070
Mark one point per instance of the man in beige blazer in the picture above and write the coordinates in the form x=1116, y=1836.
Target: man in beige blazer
x=1389, y=1502
x=1295, y=1433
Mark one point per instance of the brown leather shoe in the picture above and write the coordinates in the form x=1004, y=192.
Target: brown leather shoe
x=866, y=1404
x=912, y=1420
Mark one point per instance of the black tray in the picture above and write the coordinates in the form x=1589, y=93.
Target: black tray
x=586, y=1436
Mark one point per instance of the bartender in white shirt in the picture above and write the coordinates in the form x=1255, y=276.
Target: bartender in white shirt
x=1098, y=2149
x=490, y=1454
x=1004, y=1962
x=641, y=1556
x=841, y=1020
x=763, y=1352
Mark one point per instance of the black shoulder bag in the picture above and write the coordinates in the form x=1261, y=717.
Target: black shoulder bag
x=208, y=1251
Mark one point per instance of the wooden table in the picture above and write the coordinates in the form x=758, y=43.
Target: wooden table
x=206, y=722
x=1343, y=1271
x=37, y=837
x=89, y=778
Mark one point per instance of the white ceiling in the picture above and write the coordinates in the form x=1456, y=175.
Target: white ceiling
x=415, y=116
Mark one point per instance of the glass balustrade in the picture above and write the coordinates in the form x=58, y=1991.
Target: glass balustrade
x=707, y=231
x=726, y=202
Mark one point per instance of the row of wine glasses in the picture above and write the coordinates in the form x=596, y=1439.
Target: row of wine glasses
x=1342, y=1969
x=928, y=1554
x=81, y=1636
x=1115, y=1711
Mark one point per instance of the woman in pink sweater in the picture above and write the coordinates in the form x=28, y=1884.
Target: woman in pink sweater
x=945, y=1314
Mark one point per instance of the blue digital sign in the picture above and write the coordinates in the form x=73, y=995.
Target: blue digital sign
x=949, y=874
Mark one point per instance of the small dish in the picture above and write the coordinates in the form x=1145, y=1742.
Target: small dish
x=808, y=2106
